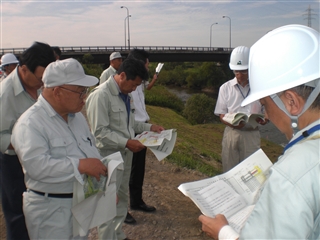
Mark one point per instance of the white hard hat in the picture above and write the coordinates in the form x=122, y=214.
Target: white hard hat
x=8, y=58
x=239, y=58
x=282, y=59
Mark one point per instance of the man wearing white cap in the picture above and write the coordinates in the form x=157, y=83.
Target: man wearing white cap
x=55, y=147
x=8, y=64
x=115, y=62
x=284, y=69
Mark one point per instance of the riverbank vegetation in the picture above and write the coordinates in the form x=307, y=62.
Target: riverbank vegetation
x=200, y=132
x=193, y=75
x=198, y=144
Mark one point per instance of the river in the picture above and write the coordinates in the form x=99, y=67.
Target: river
x=268, y=131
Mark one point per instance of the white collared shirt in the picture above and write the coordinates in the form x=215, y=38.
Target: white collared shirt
x=106, y=74
x=231, y=95
x=49, y=148
x=141, y=114
x=14, y=101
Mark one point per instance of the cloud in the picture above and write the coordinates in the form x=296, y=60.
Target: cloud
x=153, y=23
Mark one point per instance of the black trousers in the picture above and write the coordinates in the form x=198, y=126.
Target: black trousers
x=137, y=177
x=13, y=186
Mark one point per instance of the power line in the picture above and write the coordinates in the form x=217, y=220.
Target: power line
x=309, y=14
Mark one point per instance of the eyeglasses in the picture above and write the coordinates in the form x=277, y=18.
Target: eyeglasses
x=241, y=71
x=82, y=94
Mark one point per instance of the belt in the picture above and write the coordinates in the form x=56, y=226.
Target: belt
x=54, y=195
x=10, y=152
x=245, y=129
x=249, y=129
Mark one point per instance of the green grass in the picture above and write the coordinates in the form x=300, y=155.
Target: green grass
x=198, y=147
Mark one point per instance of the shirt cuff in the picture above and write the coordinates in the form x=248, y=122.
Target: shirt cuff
x=227, y=233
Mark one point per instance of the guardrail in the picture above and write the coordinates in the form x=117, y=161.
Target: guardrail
x=88, y=49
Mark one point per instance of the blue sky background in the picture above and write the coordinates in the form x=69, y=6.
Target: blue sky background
x=153, y=23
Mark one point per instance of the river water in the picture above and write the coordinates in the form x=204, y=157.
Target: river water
x=268, y=131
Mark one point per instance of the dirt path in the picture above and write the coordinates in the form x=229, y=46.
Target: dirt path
x=176, y=216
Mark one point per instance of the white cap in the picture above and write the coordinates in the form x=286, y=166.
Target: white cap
x=69, y=72
x=115, y=55
x=8, y=58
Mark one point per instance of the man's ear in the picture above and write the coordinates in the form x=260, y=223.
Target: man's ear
x=293, y=102
x=24, y=70
x=56, y=92
x=123, y=76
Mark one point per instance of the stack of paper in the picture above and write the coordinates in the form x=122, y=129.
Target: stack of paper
x=100, y=205
x=233, y=193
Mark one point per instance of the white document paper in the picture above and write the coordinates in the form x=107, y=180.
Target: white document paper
x=161, y=144
x=100, y=207
x=233, y=193
x=159, y=67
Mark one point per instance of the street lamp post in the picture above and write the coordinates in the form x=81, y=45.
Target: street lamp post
x=128, y=25
x=125, y=36
x=211, y=33
x=229, y=31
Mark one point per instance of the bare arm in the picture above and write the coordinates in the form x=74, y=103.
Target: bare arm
x=153, y=81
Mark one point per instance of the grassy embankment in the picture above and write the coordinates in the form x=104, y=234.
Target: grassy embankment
x=199, y=146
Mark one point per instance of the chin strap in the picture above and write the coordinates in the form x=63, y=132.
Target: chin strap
x=314, y=94
x=294, y=119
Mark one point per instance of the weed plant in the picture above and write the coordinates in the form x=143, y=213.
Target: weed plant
x=160, y=96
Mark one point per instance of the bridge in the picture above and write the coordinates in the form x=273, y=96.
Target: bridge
x=101, y=54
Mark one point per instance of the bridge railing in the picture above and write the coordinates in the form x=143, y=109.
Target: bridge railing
x=90, y=49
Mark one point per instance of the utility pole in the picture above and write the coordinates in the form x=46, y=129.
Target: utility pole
x=309, y=15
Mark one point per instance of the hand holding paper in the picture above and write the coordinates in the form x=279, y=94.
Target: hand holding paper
x=161, y=144
x=100, y=205
x=233, y=193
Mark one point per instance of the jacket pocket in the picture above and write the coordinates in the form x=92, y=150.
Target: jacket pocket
x=59, y=146
x=117, y=113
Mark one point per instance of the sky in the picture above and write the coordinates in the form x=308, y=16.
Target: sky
x=152, y=23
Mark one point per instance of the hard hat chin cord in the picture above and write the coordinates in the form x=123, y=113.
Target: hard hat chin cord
x=294, y=119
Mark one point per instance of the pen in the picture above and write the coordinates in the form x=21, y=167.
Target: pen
x=89, y=141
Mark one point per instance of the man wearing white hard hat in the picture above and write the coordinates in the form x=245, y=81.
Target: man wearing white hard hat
x=115, y=62
x=284, y=69
x=8, y=64
x=242, y=140
x=55, y=147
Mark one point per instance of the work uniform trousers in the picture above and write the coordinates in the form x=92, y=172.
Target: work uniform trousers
x=48, y=218
x=13, y=186
x=137, y=177
x=237, y=145
x=112, y=230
